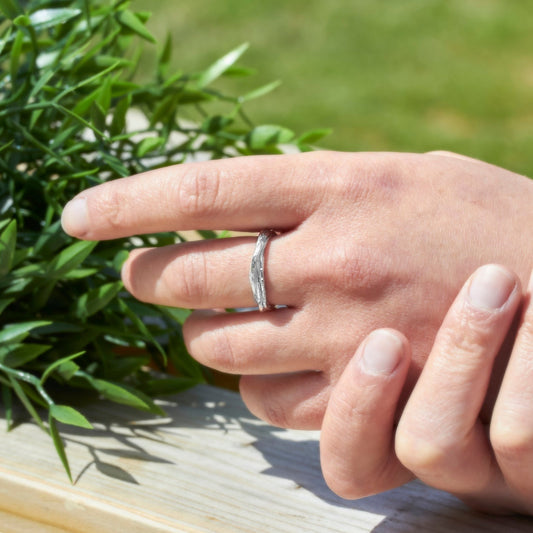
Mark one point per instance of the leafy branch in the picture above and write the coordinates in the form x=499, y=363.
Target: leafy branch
x=67, y=87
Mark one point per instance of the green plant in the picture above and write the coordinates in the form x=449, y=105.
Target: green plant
x=67, y=83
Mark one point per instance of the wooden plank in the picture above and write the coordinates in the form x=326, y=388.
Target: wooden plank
x=10, y=523
x=209, y=466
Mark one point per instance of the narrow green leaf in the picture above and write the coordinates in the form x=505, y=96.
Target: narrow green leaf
x=118, y=123
x=46, y=76
x=104, y=60
x=182, y=360
x=126, y=308
x=143, y=16
x=14, y=333
x=83, y=105
x=207, y=234
x=10, y=8
x=151, y=406
x=149, y=145
x=51, y=239
x=25, y=401
x=6, y=38
x=194, y=96
x=5, y=146
x=236, y=71
x=81, y=120
x=260, y=91
x=96, y=299
x=165, y=55
x=161, y=386
x=4, y=303
x=98, y=116
x=46, y=18
x=80, y=273
x=67, y=370
x=16, y=50
x=165, y=107
x=114, y=392
x=70, y=258
x=69, y=415
x=104, y=96
x=215, y=124
x=313, y=136
x=19, y=256
x=52, y=328
x=59, y=446
x=8, y=240
x=220, y=66
x=131, y=21
x=64, y=136
x=38, y=144
x=56, y=364
x=122, y=367
x=268, y=135
x=20, y=354
x=22, y=20
x=41, y=297
x=87, y=81
x=35, y=116
x=176, y=313
x=120, y=259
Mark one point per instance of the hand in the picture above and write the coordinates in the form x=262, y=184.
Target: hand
x=440, y=437
x=367, y=240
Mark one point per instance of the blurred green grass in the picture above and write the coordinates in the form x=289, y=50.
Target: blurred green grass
x=409, y=75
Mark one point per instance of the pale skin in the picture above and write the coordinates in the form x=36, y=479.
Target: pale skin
x=366, y=241
x=440, y=437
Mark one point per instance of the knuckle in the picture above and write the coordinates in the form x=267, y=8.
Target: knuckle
x=187, y=279
x=212, y=348
x=471, y=332
x=371, y=178
x=351, y=268
x=512, y=443
x=275, y=413
x=111, y=209
x=222, y=353
x=198, y=192
x=420, y=454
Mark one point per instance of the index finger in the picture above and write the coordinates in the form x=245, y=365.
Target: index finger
x=246, y=193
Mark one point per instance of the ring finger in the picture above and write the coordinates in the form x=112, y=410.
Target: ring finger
x=210, y=274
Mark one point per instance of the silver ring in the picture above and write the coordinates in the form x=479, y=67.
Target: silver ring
x=257, y=270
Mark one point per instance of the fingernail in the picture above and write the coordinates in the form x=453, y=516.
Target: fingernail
x=381, y=353
x=490, y=287
x=74, y=217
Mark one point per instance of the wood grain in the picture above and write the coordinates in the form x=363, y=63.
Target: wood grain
x=209, y=466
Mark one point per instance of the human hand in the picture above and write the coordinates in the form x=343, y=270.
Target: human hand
x=440, y=437
x=367, y=241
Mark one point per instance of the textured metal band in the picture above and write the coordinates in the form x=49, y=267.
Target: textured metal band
x=257, y=270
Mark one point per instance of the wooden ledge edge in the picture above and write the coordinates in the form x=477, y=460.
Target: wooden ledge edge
x=76, y=511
